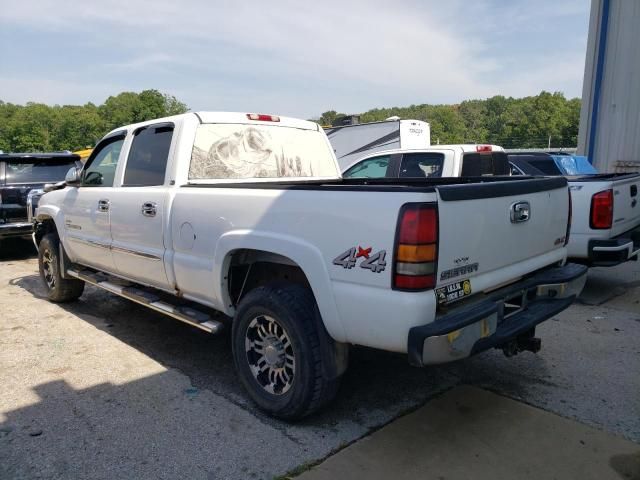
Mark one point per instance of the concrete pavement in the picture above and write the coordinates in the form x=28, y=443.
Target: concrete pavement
x=471, y=433
x=103, y=388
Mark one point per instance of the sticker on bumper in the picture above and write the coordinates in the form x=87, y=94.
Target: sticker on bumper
x=452, y=292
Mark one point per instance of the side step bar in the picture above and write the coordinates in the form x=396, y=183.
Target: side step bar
x=193, y=317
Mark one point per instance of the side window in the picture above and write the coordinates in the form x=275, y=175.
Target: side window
x=375, y=167
x=148, y=156
x=100, y=169
x=515, y=170
x=421, y=165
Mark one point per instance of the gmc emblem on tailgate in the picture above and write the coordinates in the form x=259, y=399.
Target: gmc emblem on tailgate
x=520, y=212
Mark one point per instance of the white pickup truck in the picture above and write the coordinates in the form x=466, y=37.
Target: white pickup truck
x=605, y=229
x=464, y=160
x=244, y=220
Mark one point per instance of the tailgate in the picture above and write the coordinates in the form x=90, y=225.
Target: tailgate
x=626, y=211
x=496, y=232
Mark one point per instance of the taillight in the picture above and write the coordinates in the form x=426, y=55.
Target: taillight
x=484, y=148
x=569, y=218
x=601, y=210
x=416, y=256
x=262, y=117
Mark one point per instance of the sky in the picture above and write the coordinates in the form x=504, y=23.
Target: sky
x=296, y=58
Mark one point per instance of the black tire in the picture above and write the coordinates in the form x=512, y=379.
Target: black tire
x=59, y=289
x=294, y=309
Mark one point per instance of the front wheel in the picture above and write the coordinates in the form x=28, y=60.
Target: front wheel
x=277, y=340
x=58, y=289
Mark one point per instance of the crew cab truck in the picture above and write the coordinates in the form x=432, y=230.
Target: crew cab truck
x=22, y=178
x=243, y=220
x=464, y=160
x=605, y=229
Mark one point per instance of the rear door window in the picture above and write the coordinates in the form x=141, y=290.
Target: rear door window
x=421, y=165
x=147, y=161
x=375, y=167
x=482, y=164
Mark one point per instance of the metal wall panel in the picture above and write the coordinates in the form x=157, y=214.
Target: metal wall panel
x=617, y=135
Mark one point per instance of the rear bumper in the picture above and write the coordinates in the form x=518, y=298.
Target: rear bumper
x=494, y=321
x=18, y=229
x=610, y=252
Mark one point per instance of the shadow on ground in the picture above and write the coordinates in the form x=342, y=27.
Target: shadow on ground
x=17, y=249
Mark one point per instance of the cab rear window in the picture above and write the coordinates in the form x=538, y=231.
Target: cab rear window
x=481, y=164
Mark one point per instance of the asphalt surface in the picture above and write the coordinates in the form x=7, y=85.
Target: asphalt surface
x=103, y=388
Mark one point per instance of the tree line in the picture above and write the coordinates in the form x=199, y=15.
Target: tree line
x=529, y=122
x=36, y=127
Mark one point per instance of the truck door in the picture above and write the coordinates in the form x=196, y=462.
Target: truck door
x=138, y=212
x=87, y=207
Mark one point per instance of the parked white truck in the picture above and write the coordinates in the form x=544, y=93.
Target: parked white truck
x=605, y=229
x=464, y=160
x=247, y=215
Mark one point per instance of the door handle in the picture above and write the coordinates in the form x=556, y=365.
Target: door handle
x=149, y=209
x=103, y=205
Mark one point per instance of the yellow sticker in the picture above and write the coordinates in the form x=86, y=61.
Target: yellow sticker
x=466, y=286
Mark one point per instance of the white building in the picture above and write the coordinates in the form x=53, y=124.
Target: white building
x=610, y=117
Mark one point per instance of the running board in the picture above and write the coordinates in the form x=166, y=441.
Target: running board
x=185, y=314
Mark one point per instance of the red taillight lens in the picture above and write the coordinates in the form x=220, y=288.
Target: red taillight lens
x=262, y=117
x=416, y=255
x=483, y=148
x=601, y=210
x=418, y=225
x=569, y=218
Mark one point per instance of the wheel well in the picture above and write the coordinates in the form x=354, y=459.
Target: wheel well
x=249, y=269
x=43, y=227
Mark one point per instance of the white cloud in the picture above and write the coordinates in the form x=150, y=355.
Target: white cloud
x=302, y=55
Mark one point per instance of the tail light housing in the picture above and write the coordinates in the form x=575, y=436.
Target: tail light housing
x=601, y=216
x=569, y=219
x=416, y=257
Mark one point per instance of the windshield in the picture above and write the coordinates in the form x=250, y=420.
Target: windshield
x=235, y=151
x=37, y=171
x=574, y=165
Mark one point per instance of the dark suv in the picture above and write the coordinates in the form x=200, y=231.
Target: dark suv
x=21, y=173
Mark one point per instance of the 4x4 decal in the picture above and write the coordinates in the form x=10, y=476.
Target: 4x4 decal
x=374, y=262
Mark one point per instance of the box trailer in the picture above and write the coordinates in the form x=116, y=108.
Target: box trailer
x=351, y=142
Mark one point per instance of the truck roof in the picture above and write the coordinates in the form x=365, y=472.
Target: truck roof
x=229, y=117
x=40, y=156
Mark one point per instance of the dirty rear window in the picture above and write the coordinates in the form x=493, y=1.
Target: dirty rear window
x=236, y=151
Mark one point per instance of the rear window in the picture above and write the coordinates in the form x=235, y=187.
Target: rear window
x=481, y=164
x=548, y=167
x=235, y=151
x=421, y=165
x=37, y=171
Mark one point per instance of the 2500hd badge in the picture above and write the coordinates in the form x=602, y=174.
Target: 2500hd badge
x=459, y=271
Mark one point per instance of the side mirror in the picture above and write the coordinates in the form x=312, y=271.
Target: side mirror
x=50, y=187
x=73, y=176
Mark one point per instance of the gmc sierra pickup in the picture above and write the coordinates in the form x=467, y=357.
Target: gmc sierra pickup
x=605, y=229
x=247, y=215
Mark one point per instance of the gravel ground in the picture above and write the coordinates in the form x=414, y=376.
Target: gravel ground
x=103, y=388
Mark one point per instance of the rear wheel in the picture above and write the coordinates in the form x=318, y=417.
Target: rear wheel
x=58, y=289
x=277, y=335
